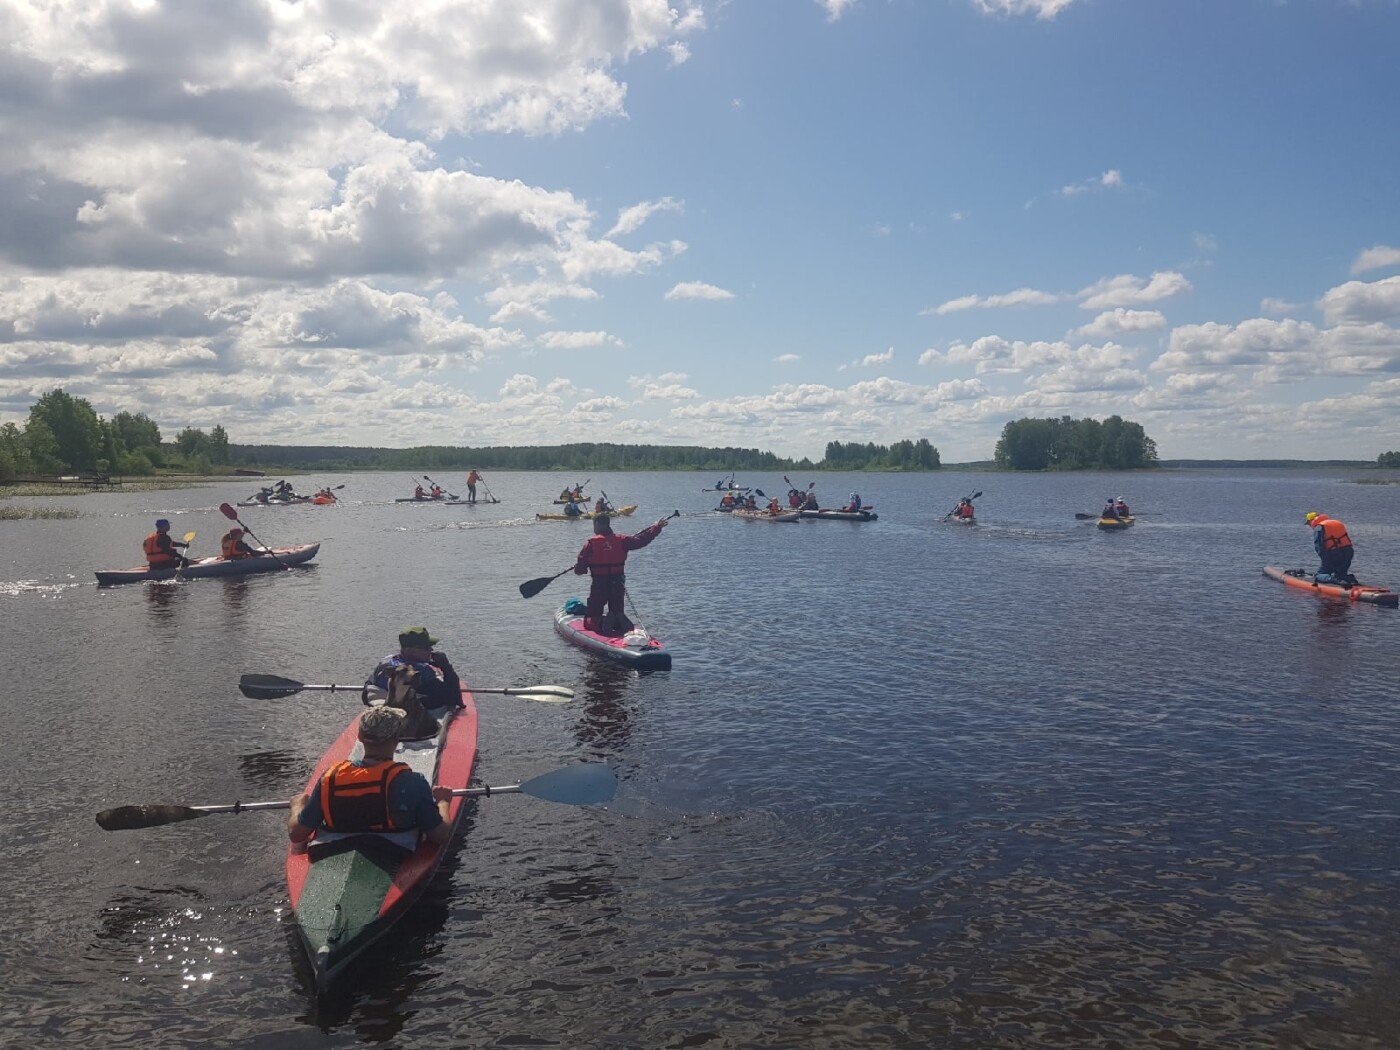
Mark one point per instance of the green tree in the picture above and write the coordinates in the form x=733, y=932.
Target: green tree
x=1389, y=460
x=192, y=442
x=15, y=460
x=42, y=446
x=137, y=433
x=74, y=426
x=218, y=445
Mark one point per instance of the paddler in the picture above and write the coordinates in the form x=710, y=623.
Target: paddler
x=373, y=793
x=794, y=499
x=232, y=546
x=750, y=503
x=1110, y=509
x=419, y=493
x=853, y=507
x=472, y=479
x=572, y=509
x=1334, y=549
x=774, y=507
x=160, y=548
x=601, y=506
x=964, y=509
x=1120, y=507
x=435, y=681
x=727, y=501
x=437, y=492
x=810, y=501
x=605, y=556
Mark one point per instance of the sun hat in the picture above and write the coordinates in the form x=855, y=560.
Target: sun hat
x=416, y=638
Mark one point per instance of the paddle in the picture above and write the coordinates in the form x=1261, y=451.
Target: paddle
x=430, y=481
x=489, y=494
x=232, y=515
x=969, y=499
x=274, y=687
x=185, y=559
x=581, y=785
x=530, y=588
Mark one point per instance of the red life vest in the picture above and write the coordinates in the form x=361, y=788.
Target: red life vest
x=356, y=798
x=159, y=556
x=230, y=547
x=1334, y=533
x=606, y=555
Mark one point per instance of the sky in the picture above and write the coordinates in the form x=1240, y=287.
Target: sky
x=765, y=223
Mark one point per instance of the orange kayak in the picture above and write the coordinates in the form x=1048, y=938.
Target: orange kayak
x=1305, y=581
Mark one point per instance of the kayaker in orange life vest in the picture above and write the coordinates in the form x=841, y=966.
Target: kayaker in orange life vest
x=774, y=507
x=727, y=501
x=232, y=546
x=160, y=548
x=605, y=555
x=472, y=479
x=1334, y=549
x=373, y=793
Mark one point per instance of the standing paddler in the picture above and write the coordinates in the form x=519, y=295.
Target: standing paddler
x=472, y=479
x=605, y=556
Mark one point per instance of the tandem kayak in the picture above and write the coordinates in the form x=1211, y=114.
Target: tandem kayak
x=422, y=499
x=581, y=499
x=959, y=521
x=295, y=501
x=620, y=512
x=649, y=657
x=838, y=515
x=1306, y=581
x=348, y=890
x=213, y=567
x=763, y=515
x=324, y=501
x=1115, y=523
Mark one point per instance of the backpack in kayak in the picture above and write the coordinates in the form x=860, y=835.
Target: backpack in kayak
x=575, y=607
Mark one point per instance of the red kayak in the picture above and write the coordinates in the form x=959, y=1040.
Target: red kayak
x=1306, y=581
x=348, y=890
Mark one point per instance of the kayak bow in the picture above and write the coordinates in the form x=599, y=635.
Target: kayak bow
x=1307, y=581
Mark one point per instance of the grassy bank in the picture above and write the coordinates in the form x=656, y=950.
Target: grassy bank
x=36, y=513
x=153, y=484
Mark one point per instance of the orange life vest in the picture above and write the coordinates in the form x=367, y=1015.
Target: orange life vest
x=356, y=798
x=1334, y=533
x=230, y=547
x=606, y=555
x=157, y=555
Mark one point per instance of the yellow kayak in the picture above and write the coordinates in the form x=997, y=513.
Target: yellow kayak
x=1115, y=523
x=620, y=512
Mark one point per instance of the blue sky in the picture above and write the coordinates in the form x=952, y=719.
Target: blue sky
x=759, y=223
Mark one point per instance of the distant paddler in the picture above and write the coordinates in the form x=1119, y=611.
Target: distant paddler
x=964, y=509
x=1334, y=549
x=472, y=479
x=1110, y=509
x=774, y=507
x=161, y=550
x=853, y=505
x=572, y=509
x=605, y=556
x=575, y=494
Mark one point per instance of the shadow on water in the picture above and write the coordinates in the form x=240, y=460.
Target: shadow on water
x=605, y=724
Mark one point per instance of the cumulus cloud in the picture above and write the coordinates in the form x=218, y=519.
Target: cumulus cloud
x=1041, y=9
x=1272, y=350
x=577, y=340
x=1109, y=180
x=1019, y=297
x=1278, y=307
x=1121, y=321
x=629, y=220
x=871, y=360
x=1129, y=290
x=788, y=359
x=1362, y=301
x=668, y=386
x=1379, y=257
x=698, y=290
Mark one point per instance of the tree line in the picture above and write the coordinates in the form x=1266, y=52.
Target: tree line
x=1074, y=444
x=1389, y=460
x=64, y=434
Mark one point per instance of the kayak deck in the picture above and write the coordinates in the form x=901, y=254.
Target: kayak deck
x=620, y=512
x=348, y=892
x=207, y=567
x=653, y=657
x=1115, y=523
x=838, y=515
x=1307, y=581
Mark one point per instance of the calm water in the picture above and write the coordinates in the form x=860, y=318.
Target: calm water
x=907, y=785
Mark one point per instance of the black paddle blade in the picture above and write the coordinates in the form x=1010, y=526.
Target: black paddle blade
x=267, y=686
x=133, y=818
x=583, y=785
x=530, y=588
x=228, y=512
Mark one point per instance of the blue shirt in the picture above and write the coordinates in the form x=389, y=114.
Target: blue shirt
x=410, y=802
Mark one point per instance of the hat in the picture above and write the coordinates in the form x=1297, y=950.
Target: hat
x=162, y=523
x=416, y=638
x=379, y=725
x=1308, y=517
x=235, y=531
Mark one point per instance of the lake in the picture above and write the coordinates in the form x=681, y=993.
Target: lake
x=1028, y=784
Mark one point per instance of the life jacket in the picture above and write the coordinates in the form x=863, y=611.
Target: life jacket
x=1334, y=533
x=606, y=555
x=356, y=798
x=1121, y=509
x=231, y=547
x=473, y=478
x=158, y=556
x=727, y=501
x=418, y=492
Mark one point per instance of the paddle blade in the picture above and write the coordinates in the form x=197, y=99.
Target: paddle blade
x=582, y=785
x=760, y=493
x=543, y=698
x=561, y=691
x=189, y=536
x=530, y=588
x=133, y=818
x=228, y=512
x=267, y=686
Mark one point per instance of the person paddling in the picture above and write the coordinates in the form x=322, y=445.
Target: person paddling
x=774, y=507
x=1334, y=549
x=435, y=681
x=853, y=507
x=602, y=506
x=232, y=547
x=727, y=501
x=810, y=501
x=373, y=793
x=1120, y=507
x=160, y=548
x=964, y=509
x=472, y=479
x=605, y=556
x=795, y=499
x=1110, y=509
x=572, y=509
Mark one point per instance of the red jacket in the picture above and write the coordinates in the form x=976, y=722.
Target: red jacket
x=606, y=555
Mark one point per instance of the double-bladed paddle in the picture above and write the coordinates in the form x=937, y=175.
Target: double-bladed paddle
x=968, y=499
x=585, y=784
x=232, y=515
x=274, y=687
x=430, y=481
x=530, y=588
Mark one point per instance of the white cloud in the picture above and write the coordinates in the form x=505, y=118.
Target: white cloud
x=1042, y=9
x=629, y=220
x=1019, y=297
x=577, y=340
x=1205, y=242
x=871, y=360
x=788, y=359
x=958, y=216
x=1275, y=350
x=1130, y=290
x=1278, y=307
x=1109, y=180
x=698, y=290
x=669, y=386
x=1120, y=321
x=1379, y=257
x=679, y=52
x=836, y=8
x=1361, y=301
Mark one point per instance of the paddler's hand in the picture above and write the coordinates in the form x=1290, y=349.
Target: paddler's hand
x=441, y=793
x=663, y=522
x=581, y=569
